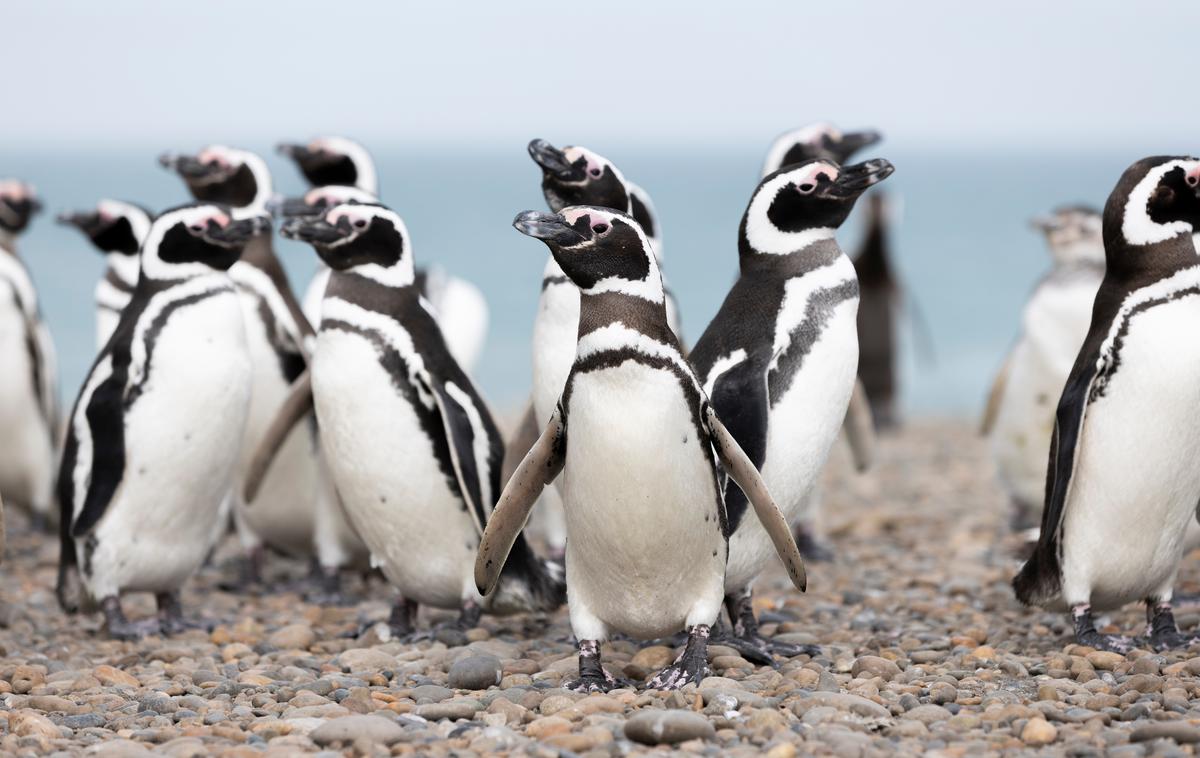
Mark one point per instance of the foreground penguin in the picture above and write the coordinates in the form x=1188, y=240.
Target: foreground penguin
x=462, y=310
x=780, y=357
x=117, y=229
x=1123, y=482
x=1054, y=322
x=152, y=443
x=634, y=438
x=410, y=443
x=28, y=382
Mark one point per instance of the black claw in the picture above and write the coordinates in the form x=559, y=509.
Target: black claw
x=690, y=666
x=1162, y=631
x=1086, y=634
x=121, y=628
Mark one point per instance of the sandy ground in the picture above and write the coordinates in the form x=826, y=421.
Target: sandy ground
x=923, y=649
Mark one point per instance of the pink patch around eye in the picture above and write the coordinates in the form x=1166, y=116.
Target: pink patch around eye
x=811, y=174
x=220, y=219
x=209, y=155
x=573, y=216
x=1193, y=175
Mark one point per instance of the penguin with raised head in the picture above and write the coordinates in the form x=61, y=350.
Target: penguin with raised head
x=878, y=305
x=462, y=310
x=117, y=229
x=284, y=516
x=152, y=442
x=634, y=438
x=780, y=357
x=818, y=140
x=411, y=445
x=1122, y=481
x=1054, y=322
x=29, y=382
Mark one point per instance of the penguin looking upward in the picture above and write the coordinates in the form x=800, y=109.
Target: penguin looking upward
x=153, y=439
x=334, y=160
x=1122, y=481
x=819, y=140
x=780, y=357
x=28, y=383
x=117, y=229
x=634, y=438
x=410, y=443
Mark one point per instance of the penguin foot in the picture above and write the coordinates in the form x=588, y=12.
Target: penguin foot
x=813, y=549
x=170, y=616
x=690, y=666
x=593, y=677
x=1161, y=629
x=1086, y=634
x=325, y=587
x=119, y=627
x=762, y=650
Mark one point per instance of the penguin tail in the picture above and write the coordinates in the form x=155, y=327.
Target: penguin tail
x=1039, y=582
x=528, y=584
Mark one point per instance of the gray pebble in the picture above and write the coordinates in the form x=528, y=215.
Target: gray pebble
x=476, y=672
x=657, y=727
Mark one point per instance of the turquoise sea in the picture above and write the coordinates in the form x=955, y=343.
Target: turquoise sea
x=961, y=238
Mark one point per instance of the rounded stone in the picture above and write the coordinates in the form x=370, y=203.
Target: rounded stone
x=659, y=727
x=476, y=672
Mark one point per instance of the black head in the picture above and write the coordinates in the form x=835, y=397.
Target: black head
x=113, y=226
x=320, y=199
x=577, y=176
x=183, y=239
x=817, y=141
x=18, y=205
x=225, y=175
x=1073, y=234
x=1156, y=200
x=333, y=160
x=598, y=248
x=355, y=235
x=798, y=202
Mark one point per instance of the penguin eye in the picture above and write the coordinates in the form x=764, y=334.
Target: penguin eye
x=1192, y=180
x=600, y=228
x=806, y=188
x=197, y=228
x=595, y=172
x=360, y=223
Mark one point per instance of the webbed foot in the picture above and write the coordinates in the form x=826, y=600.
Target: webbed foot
x=593, y=677
x=1086, y=634
x=690, y=666
x=1161, y=629
x=121, y=628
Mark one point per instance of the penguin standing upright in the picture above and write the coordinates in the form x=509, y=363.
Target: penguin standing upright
x=634, y=438
x=410, y=443
x=1123, y=483
x=117, y=229
x=1054, y=322
x=780, y=357
x=878, y=305
x=28, y=383
x=462, y=310
x=285, y=514
x=152, y=443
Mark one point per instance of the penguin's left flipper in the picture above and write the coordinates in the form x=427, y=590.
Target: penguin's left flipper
x=106, y=425
x=297, y=405
x=543, y=463
x=992, y=409
x=461, y=421
x=742, y=471
x=860, y=428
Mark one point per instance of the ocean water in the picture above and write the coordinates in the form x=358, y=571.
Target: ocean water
x=961, y=240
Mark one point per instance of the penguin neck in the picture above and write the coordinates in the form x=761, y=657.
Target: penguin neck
x=816, y=254
x=8, y=241
x=396, y=276
x=124, y=266
x=1141, y=264
x=598, y=310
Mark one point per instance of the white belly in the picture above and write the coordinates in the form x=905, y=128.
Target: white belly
x=382, y=462
x=181, y=443
x=645, y=553
x=555, y=333
x=1136, y=481
x=26, y=443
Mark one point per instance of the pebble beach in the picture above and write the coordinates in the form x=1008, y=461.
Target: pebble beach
x=924, y=650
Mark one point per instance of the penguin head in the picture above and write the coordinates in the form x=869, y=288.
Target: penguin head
x=334, y=160
x=577, y=176
x=1157, y=200
x=370, y=239
x=798, y=205
x=113, y=226
x=18, y=205
x=1073, y=234
x=225, y=175
x=191, y=239
x=320, y=199
x=600, y=249
x=820, y=140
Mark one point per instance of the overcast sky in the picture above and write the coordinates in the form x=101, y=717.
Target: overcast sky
x=1004, y=73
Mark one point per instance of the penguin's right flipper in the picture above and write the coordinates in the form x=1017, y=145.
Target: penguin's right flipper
x=992, y=409
x=296, y=406
x=106, y=424
x=741, y=469
x=859, y=428
x=544, y=462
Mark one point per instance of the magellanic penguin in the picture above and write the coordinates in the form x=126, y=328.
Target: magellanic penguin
x=1123, y=483
x=1054, y=322
x=780, y=357
x=117, y=229
x=285, y=514
x=152, y=443
x=409, y=441
x=462, y=310
x=29, y=382
x=634, y=438
x=879, y=303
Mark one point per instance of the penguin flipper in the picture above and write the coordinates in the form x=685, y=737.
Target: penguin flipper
x=106, y=424
x=463, y=429
x=741, y=469
x=992, y=409
x=860, y=428
x=540, y=466
x=296, y=406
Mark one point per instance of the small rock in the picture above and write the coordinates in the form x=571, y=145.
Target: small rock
x=547, y=726
x=868, y=666
x=114, y=677
x=452, y=710
x=293, y=637
x=1176, y=731
x=928, y=714
x=653, y=658
x=373, y=729
x=941, y=693
x=1038, y=731
x=476, y=672
x=366, y=659
x=27, y=723
x=1104, y=660
x=657, y=727
x=1047, y=692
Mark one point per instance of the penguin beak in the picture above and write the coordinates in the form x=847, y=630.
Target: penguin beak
x=852, y=142
x=187, y=166
x=548, y=227
x=1045, y=224
x=239, y=232
x=86, y=222
x=292, y=207
x=291, y=150
x=855, y=179
x=314, y=231
x=550, y=158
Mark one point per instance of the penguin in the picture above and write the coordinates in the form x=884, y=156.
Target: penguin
x=1019, y=419
x=634, y=438
x=409, y=441
x=29, y=383
x=461, y=307
x=878, y=304
x=779, y=359
x=152, y=441
x=818, y=140
x=285, y=515
x=117, y=229
x=1122, y=481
